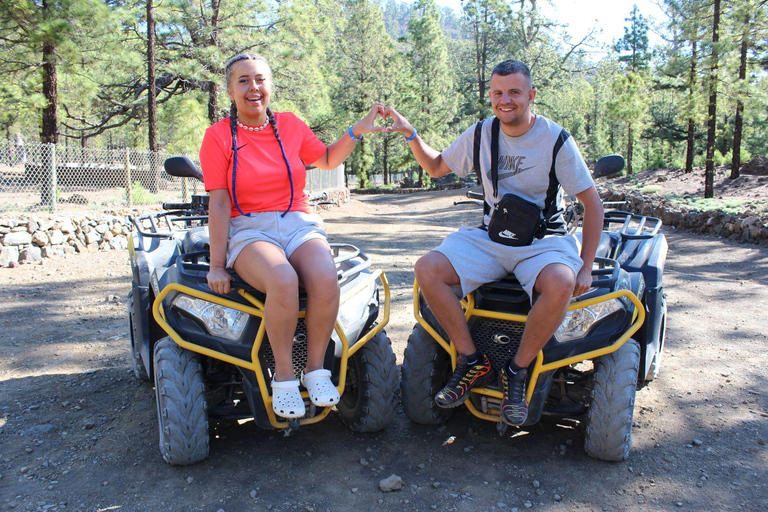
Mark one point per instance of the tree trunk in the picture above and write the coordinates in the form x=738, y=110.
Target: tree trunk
x=50, y=131
x=385, y=159
x=690, y=150
x=151, y=99
x=630, y=148
x=709, y=175
x=737, y=129
x=213, y=91
x=213, y=103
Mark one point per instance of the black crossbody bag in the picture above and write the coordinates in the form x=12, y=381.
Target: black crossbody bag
x=514, y=220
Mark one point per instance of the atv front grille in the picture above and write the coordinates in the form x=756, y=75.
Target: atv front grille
x=299, y=350
x=498, y=339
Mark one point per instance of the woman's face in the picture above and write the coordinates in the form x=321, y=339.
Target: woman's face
x=250, y=87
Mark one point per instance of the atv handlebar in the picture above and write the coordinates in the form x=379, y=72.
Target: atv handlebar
x=177, y=206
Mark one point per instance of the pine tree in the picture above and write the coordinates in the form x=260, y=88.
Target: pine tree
x=431, y=77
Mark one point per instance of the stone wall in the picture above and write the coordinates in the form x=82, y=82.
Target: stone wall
x=747, y=227
x=29, y=239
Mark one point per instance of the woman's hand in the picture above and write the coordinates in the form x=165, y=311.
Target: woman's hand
x=583, y=281
x=367, y=124
x=219, y=280
x=400, y=123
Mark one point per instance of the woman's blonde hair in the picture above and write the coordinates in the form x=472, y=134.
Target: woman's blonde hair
x=243, y=56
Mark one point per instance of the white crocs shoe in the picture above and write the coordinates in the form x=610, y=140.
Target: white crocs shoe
x=286, y=399
x=321, y=390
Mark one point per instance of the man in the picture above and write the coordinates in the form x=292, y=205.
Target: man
x=551, y=269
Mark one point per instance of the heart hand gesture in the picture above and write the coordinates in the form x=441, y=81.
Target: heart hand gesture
x=400, y=123
x=367, y=124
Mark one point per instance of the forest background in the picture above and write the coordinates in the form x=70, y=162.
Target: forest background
x=76, y=72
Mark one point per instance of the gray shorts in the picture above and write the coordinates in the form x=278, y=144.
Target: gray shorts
x=479, y=260
x=288, y=232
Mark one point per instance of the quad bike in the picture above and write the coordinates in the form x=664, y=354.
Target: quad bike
x=609, y=343
x=209, y=355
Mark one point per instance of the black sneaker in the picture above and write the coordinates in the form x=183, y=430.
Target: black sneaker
x=464, y=378
x=514, y=406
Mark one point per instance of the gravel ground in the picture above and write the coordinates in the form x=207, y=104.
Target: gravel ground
x=78, y=432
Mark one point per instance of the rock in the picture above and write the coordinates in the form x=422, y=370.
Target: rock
x=757, y=166
x=102, y=228
x=17, y=238
x=31, y=254
x=40, y=238
x=119, y=243
x=52, y=251
x=32, y=226
x=9, y=255
x=391, y=483
x=364, y=462
x=67, y=226
x=40, y=429
x=527, y=504
x=92, y=237
x=56, y=237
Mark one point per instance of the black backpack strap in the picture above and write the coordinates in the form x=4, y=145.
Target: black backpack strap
x=476, y=162
x=495, y=128
x=476, y=152
x=552, y=212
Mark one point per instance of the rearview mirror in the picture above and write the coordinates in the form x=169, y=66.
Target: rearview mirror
x=182, y=167
x=608, y=165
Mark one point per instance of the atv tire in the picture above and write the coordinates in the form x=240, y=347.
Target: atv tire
x=426, y=370
x=609, y=417
x=182, y=411
x=369, y=401
x=139, y=370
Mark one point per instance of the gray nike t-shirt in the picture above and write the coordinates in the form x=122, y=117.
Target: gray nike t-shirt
x=524, y=162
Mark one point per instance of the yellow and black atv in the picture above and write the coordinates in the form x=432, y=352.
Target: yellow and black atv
x=609, y=343
x=209, y=355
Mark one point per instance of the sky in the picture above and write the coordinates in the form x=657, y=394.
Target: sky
x=580, y=16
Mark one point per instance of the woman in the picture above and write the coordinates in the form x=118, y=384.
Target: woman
x=260, y=223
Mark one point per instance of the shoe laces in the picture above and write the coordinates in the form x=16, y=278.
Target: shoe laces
x=459, y=372
x=516, y=385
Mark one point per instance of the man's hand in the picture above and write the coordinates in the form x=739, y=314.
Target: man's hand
x=219, y=280
x=400, y=123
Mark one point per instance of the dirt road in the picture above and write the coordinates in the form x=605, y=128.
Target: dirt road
x=78, y=432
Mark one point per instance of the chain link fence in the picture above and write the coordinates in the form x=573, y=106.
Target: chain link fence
x=47, y=177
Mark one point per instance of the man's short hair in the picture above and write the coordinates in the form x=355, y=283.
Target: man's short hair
x=511, y=66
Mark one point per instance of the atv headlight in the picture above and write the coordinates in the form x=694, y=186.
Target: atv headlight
x=578, y=322
x=218, y=320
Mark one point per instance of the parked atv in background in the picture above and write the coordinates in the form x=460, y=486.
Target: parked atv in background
x=609, y=343
x=209, y=355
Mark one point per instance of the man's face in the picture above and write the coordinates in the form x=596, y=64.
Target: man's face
x=511, y=98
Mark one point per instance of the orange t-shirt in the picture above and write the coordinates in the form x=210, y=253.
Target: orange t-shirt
x=262, y=176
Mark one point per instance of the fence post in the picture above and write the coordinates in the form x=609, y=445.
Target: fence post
x=128, y=184
x=184, y=189
x=48, y=188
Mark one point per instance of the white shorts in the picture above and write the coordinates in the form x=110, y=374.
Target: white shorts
x=288, y=232
x=479, y=260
